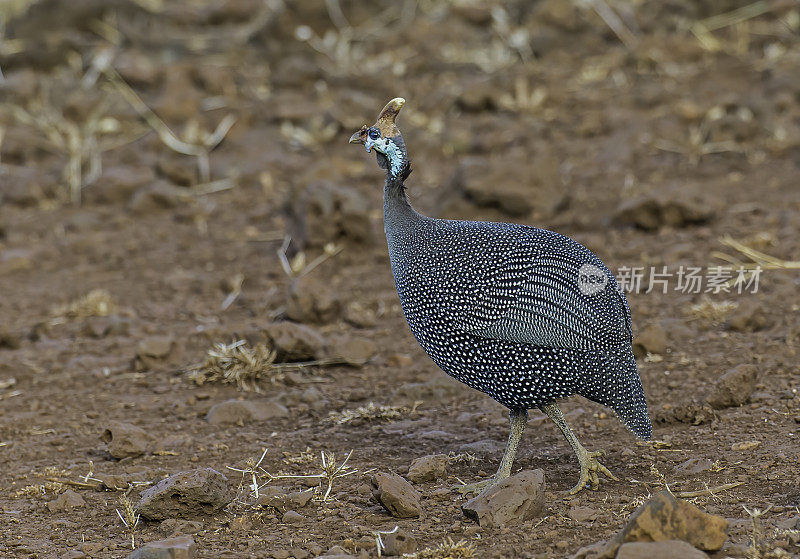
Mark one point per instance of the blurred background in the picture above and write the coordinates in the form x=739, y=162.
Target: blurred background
x=175, y=174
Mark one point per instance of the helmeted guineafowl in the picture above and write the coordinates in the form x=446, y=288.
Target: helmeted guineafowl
x=522, y=314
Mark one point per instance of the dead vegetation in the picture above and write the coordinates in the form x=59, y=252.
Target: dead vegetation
x=371, y=412
x=710, y=311
x=447, y=550
x=255, y=477
x=98, y=302
x=246, y=367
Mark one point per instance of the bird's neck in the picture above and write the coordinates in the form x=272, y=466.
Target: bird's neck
x=399, y=217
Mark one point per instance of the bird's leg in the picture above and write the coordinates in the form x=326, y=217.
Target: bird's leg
x=518, y=417
x=591, y=468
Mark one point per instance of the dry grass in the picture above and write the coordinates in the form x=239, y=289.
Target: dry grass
x=236, y=363
x=371, y=412
x=97, y=302
x=128, y=517
x=446, y=550
x=246, y=367
x=255, y=477
x=708, y=310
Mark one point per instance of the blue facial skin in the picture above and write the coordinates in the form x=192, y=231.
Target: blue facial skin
x=387, y=147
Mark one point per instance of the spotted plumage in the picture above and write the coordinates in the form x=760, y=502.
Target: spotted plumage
x=501, y=307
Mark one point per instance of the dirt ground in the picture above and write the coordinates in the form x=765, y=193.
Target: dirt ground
x=650, y=137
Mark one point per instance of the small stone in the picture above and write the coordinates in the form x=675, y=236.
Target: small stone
x=244, y=411
x=180, y=547
x=193, y=493
x=668, y=549
x=734, y=387
x=664, y=517
x=355, y=351
x=172, y=527
x=428, y=468
x=694, y=466
x=749, y=316
x=513, y=500
x=67, y=501
x=650, y=212
x=126, y=441
x=155, y=346
x=312, y=301
x=399, y=543
x=292, y=517
x=745, y=446
x=397, y=495
x=285, y=502
x=652, y=339
x=582, y=514
x=295, y=342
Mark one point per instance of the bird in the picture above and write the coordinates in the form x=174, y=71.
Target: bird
x=525, y=315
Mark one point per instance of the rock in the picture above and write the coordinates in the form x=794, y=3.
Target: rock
x=172, y=527
x=749, y=316
x=582, y=514
x=244, y=411
x=155, y=346
x=180, y=547
x=652, y=339
x=396, y=495
x=399, y=543
x=650, y=212
x=694, y=466
x=689, y=411
x=428, y=468
x=292, y=517
x=284, y=502
x=744, y=446
x=312, y=302
x=668, y=549
x=67, y=501
x=354, y=351
x=664, y=517
x=513, y=500
x=325, y=212
x=186, y=494
x=295, y=342
x=734, y=387
x=126, y=441
x=155, y=198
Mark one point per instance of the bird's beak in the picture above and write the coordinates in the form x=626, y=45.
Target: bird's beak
x=358, y=137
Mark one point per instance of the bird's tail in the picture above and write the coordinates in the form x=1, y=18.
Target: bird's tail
x=613, y=380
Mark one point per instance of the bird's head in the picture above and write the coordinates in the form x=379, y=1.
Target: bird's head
x=385, y=139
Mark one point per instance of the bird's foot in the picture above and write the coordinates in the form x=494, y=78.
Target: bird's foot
x=591, y=468
x=473, y=489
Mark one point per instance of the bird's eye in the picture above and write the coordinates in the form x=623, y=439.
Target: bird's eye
x=374, y=134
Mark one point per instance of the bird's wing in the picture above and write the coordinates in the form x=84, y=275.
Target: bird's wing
x=533, y=292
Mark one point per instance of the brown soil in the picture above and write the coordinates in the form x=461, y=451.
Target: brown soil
x=648, y=154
